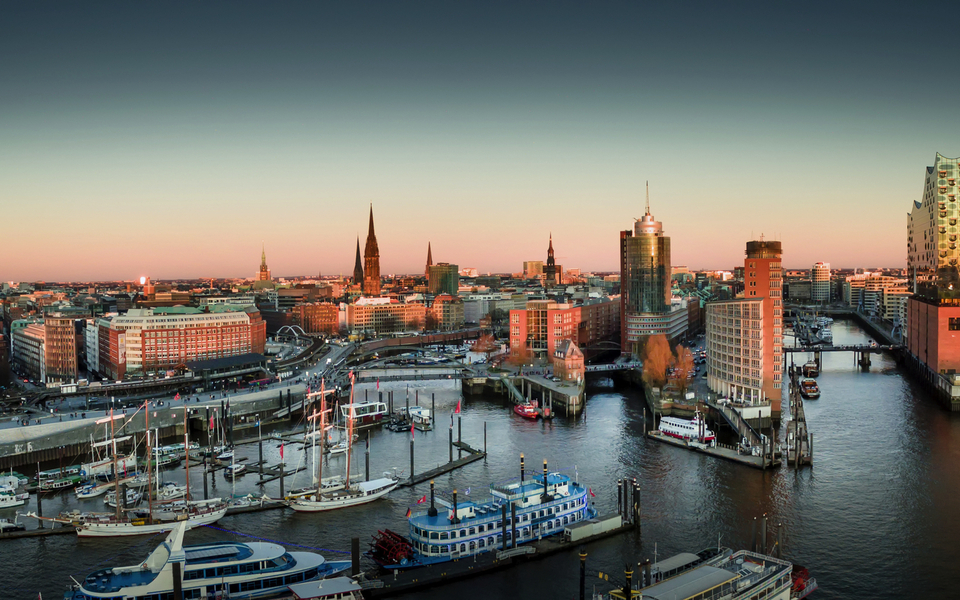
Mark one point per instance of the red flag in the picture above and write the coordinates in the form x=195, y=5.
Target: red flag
x=592, y=495
x=281, y=450
x=177, y=397
x=458, y=408
x=378, y=384
x=412, y=434
x=211, y=421
x=422, y=500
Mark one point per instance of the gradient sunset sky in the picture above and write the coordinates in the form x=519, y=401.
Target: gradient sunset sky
x=170, y=139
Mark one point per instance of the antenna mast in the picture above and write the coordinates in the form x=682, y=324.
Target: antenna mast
x=648, y=197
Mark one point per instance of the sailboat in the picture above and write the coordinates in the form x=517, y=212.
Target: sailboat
x=350, y=495
x=138, y=522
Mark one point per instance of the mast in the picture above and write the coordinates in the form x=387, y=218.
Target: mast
x=146, y=425
x=116, y=475
x=323, y=433
x=186, y=448
x=350, y=432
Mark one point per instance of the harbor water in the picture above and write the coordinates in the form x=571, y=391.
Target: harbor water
x=875, y=516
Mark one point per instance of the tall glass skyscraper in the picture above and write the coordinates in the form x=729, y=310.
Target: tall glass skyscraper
x=644, y=283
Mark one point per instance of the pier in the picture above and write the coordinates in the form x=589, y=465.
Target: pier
x=473, y=455
x=799, y=447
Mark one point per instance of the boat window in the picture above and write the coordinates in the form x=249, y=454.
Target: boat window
x=480, y=543
x=275, y=582
x=443, y=535
x=473, y=530
x=234, y=588
x=463, y=533
x=248, y=567
x=433, y=535
x=230, y=570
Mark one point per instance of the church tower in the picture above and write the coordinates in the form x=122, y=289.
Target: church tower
x=358, y=266
x=264, y=273
x=426, y=272
x=371, y=262
x=550, y=270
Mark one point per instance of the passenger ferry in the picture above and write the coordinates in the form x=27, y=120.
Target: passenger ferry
x=221, y=569
x=545, y=505
x=691, y=431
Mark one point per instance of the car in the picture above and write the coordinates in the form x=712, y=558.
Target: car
x=555, y=379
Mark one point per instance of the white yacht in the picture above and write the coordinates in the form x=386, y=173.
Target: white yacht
x=236, y=570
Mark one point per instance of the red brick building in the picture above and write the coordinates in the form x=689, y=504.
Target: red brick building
x=318, y=317
x=541, y=326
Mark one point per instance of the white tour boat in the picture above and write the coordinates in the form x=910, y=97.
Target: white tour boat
x=689, y=430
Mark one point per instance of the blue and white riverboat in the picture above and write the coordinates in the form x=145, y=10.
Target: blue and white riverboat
x=543, y=505
x=221, y=569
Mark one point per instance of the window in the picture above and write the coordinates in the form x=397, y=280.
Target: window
x=954, y=324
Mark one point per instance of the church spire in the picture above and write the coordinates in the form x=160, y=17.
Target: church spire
x=429, y=261
x=371, y=262
x=358, y=266
x=263, y=255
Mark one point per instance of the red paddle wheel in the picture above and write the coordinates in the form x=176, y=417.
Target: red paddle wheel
x=390, y=548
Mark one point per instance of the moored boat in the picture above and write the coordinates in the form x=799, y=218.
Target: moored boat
x=526, y=410
x=357, y=493
x=234, y=470
x=220, y=569
x=694, y=430
x=544, y=505
x=809, y=388
x=810, y=369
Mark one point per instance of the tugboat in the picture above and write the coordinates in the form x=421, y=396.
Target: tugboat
x=526, y=410
x=809, y=388
x=543, y=506
x=810, y=369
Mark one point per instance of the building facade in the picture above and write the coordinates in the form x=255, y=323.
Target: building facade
x=378, y=316
x=763, y=278
x=444, y=279
x=448, y=312
x=318, y=317
x=537, y=329
x=151, y=340
x=60, y=348
x=735, y=349
x=933, y=267
x=27, y=350
x=820, y=283
x=645, y=281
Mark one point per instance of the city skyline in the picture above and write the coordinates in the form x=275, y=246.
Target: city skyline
x=170, y=141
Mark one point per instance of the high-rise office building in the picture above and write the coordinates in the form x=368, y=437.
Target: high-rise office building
x=444, y=278
x=745, y=335
x=60, y=348
x=371, y=262
x=820, y=282
x=933, y=312
x=644, y=282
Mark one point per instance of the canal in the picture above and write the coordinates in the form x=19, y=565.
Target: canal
x=875, y=517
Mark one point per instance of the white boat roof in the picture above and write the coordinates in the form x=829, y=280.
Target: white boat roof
x=689, y=584
x=324, y=588
x=374, y=484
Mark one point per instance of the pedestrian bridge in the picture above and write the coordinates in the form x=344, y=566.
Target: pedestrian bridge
x=624, y=366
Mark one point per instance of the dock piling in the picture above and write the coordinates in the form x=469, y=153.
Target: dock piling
x=366, y=458
x=206, y=492
x=459, y=435
x=763, y=534
x=513, y=525
x=753, y=536
x=39, y=504
x=354, y=556
x=432, y=511
x=619, y=495
x=484, y=440
x=281, y=478
x=411, y=459
x=451, y=441
x=583, y=573
x=433, y=406
x=628, y=583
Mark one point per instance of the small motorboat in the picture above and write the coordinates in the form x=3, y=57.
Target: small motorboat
x=225, y=456
x=235, y=470
x=809, y=388
x=526, y=410
x=8, y=526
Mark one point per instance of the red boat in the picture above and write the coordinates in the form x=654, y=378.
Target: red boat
x=526, y=410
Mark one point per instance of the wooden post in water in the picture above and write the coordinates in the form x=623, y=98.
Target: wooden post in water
x=367, y=457
x=583, y=573
x=433, y=407
x=753, y=536
x=411, y=460
x=763, y=534
x=484, y=440
x=620, y=497
x=459, y=436
x=451, y=441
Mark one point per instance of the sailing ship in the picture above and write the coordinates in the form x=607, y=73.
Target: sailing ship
x=350, y=494
x=220, y=569
x=515, y=513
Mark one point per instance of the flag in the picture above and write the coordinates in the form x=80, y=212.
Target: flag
x=422, y=500
x=281, y=450
x=458, y=408
x=378, y=384
x=412, y=434
x=211, y=421
x=467, y=493
x=592, y=495
x=177, y=397
x=409, y=512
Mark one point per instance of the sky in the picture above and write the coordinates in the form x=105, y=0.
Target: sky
x=173, y=139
